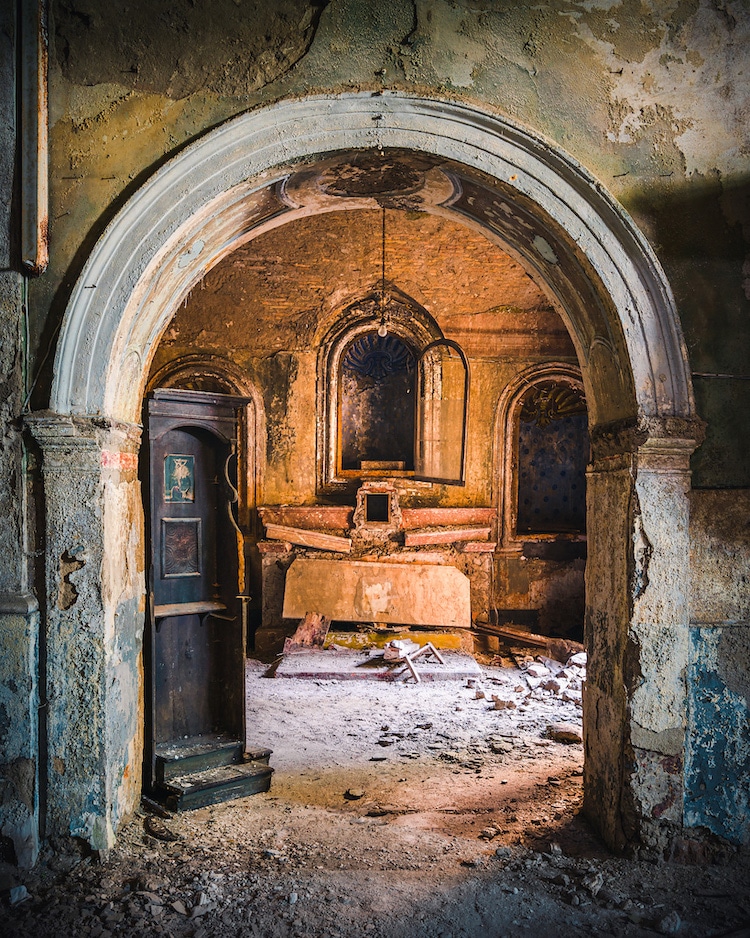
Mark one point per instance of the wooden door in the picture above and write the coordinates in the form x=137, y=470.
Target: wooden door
x=196, y=660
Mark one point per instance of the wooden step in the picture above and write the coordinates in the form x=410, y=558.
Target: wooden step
x=217, y=784
x=196, y=754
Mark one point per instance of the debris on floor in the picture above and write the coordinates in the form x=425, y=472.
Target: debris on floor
x=398, y=810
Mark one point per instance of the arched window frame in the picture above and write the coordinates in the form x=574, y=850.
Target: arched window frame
x=406, y=319
x=507, y=451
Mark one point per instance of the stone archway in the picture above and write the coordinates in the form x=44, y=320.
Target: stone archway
x=604, y=279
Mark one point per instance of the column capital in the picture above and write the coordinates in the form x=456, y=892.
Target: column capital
x=91, y=441
x=653, y=441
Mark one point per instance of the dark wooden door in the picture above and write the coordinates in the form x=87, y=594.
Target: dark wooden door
x=196, y=646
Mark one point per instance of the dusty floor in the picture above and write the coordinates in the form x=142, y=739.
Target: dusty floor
x=395, y=810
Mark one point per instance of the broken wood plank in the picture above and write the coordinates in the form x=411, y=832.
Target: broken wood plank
x=328, y=518
x=304, y=538
x=558, y=648
x=445, y=517
x=423, y=536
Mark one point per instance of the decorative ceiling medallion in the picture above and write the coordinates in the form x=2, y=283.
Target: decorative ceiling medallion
x=370, y=174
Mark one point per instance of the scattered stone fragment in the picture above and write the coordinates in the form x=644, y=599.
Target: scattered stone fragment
x=501, y=704
x=18, y=894
x=354, y=794
x=572, y=696
x=179, y=906
x=503, y=852
x=669, y=925
x=593, y=883
x=489, y=833
x=578, y=660
x=377, y=811
x=538, y=670
x=159, y=830
x=564, y=733
x=555, y=684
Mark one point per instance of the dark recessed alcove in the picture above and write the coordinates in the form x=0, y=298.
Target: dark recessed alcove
x=377, y=508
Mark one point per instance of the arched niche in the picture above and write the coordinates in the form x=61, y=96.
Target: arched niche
x=409, y=323
x=506, y=447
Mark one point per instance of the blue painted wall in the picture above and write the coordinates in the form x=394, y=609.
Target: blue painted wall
x=717, y=765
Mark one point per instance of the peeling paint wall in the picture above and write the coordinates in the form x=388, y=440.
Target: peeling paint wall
x=717, y=770
x=19, y=702
x=717, y=773
x=652, y=98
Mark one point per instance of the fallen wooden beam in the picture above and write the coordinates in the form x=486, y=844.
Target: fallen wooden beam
x=304, y=538
x=422, y=536
x=558, y=648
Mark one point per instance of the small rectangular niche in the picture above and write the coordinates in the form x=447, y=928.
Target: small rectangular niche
x=377, y=508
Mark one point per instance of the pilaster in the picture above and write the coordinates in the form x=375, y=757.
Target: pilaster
x=637, y=617
x=94, y=621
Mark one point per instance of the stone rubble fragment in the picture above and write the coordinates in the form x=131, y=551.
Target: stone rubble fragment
x=669, y=925
x=564, y=733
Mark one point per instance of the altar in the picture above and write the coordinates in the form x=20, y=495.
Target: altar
x=376, y=563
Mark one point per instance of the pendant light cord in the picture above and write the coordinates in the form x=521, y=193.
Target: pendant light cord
x=383, y=327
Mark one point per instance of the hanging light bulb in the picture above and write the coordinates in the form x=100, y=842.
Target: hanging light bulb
x=383, y=327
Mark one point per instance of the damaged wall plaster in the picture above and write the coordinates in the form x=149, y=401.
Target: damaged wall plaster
x=717, y=771
x=660, y=107
x=718, y=765
x=650, y=98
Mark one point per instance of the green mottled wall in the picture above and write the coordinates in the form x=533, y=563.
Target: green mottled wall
x=651, y=97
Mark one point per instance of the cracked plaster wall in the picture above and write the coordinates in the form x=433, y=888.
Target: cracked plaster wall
x=19, y=613
x=652, y=98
